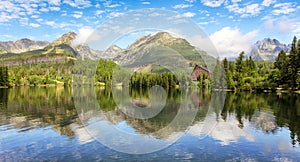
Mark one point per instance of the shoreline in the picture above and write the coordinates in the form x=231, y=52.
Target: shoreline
x=278, y=90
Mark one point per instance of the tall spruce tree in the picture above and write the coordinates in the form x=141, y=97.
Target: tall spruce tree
x=293, y=63
x=281, y=64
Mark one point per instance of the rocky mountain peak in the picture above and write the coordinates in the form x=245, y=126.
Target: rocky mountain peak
x=267, y=49
x=65, y=39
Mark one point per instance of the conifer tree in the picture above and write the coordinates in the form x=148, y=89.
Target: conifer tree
x=293, y=64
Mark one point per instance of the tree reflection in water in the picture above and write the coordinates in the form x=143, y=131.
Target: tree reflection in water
x=27, y=108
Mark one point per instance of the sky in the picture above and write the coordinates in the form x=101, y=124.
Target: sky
x=232, y=25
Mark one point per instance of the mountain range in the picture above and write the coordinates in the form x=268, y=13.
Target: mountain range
x=144, y=48
x=21, y=45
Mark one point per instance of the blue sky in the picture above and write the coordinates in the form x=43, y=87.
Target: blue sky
x=234, y=23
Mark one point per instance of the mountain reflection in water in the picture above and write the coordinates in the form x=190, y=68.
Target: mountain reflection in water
x=263, y=120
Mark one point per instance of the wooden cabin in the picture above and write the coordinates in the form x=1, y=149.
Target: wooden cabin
x=199, y=70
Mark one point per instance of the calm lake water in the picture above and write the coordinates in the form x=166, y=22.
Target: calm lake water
x=60, y=124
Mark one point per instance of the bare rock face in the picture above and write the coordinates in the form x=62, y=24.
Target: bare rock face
x=21, y=45
x=267, y=49
x=65, y=39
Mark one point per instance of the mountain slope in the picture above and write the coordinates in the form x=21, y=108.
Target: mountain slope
x=267, y=49
x=21, y=45
x=161, y=48
x=59, y=50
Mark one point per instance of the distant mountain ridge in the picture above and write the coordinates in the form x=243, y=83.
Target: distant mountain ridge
x=267, y=49
x=21, y=45
x=62, y=48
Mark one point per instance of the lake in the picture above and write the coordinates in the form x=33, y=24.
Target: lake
x=102, y=124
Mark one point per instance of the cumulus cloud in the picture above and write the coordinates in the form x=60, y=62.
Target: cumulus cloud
x=180, y=6
x=82, y=35
x=145, y=3
x=54, y=8
x=283, y=8
x=189, y=14
x=78, y=3
x=34, y=25
x=115, y=14
x=230, y=42
x=50, y=23
x=267, y=3
x=227, y=42
x=54, y=2
x=99, y=12
x=248, y=10
x=77, y=14
x=212, y=3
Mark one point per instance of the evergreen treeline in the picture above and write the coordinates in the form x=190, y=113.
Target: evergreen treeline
x=41, y=74
x=286, y=72
x=140, y=80
x=242, y=74
x=245, y=74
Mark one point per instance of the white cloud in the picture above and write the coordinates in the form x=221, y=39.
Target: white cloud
x=296, y=28
x=267, y=3
x=146, y=3
x=213, y=3
x=39, y=20
x=34, y=25
x=44, y=9
x=191, y=1
x=99, y=12
x=182, y=6
x=115, y=14
x=235, y=1
x=189, y=14
x=283, y=8
x=77, y=14
x=282, y=24
x=54, y=8
x=50, y=23
x=35, y=16
x=203, y=23
x=248, y=10
x=78, y=3
x=230, y=41
x=83, y=35
x=113, y=5
x=54, y=2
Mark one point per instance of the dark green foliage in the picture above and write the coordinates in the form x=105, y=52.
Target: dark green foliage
x=280, y=73
x=4, y=80
x=287, y=67
x=245, y=74
x=104, y=71
x=140, y=80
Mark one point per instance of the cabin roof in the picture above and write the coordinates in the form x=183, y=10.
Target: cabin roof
x=201, y=67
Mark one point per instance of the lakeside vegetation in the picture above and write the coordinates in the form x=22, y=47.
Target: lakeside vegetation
x=246, y=74
x=243, y=74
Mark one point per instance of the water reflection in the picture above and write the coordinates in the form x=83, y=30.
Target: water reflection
x=268, y=121
x=26, y=108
